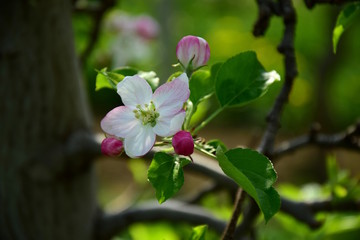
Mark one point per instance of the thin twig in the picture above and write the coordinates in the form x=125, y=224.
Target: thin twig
x=229, y=232
x=97, y=15
x=349, y=139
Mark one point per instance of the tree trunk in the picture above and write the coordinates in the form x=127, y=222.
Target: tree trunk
x=46, y=185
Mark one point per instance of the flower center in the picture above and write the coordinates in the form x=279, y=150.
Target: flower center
x=147, y=115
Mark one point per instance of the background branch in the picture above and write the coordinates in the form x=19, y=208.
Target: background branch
x=97, y=12
x=203, y=192
x=231, y=226
x=286, y=47
x=267, y=9
x=110, y=225
x=311, y=3
x=349, y=139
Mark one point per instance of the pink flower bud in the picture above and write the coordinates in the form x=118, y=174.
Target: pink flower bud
x=112, y=147
x=147, y=27
x=183, y=143
x=192, y=52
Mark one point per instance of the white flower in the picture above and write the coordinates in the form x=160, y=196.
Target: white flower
x=271, y=77
x=145, y=115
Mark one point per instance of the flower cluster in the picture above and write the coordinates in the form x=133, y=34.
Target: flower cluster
x=145, y=115
x=143, y=26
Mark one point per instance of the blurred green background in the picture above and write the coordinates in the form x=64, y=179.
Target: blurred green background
x=326, y=91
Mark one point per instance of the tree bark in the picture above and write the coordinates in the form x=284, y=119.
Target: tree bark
x=46, y=188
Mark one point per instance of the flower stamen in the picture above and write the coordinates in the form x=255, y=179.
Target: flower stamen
x=147, y=115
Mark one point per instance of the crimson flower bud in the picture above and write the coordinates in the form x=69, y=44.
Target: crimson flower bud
x=112, y=147
x=183, y=143
x=192, y=52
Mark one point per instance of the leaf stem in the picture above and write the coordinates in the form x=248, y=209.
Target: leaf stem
x=206, y=121
x=201, y=149
x=189, y=113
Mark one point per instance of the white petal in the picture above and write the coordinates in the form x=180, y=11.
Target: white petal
x=120, y=122
x=134, y=90
x=141, y=143
x=168, y=126
x=271, y=77
x=169, y=98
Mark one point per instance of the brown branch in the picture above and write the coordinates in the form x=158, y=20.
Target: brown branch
x=286, y=47
x=302, y=211
x=331, y=206
x=285, y=9
x=211, y=173
x=306, y=211
x=229, y=232
x=267, y=8
x=110, y=225
x=311, y=3
x=349, y=139
x=97, y=13
x=249, y=220
x=202, y=193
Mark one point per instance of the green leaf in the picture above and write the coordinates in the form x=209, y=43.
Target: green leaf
x=200, y=86
x=109, y=79
x=151, y=78
x=174, y=75
x=199, y=232
x=344, y=20
x=166, y=175
x=241, y=79
x=214, y=70
x=105, y=79
x=255, y=174
x=215, y=143
x=126, y=71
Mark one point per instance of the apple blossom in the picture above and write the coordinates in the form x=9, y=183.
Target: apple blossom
x=145, y=115
x=112, y=147
x=183, y=143
x=192, y=52
x=147, y=27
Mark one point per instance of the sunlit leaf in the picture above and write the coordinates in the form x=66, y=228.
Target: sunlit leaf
x=255, y=174
x=166, y=175
x=126, y=71
x=217, y=143
x=200, y=86
x=174, y=75
x=109, y=79
x=199, y=232
x=105, y=79
x=241, y=79
x=344, y=20
x=151, y=78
